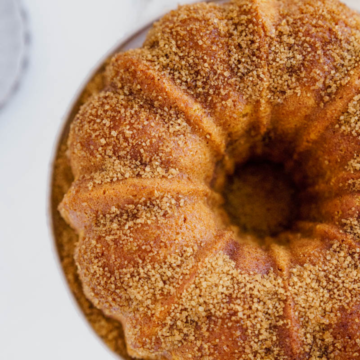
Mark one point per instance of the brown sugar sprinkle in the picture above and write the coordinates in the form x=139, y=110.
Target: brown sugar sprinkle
x=305, y=45
x=352, y=226
x=121, y=224
x=322, y=294
x=217, y=55
x=137, y=284
x=111, y=123
x=354, y=185
x=350, y=122
x=313, y=46
x=188, y=56
x=247, y=57
x=138, y=287
x=354, y=164
x=221, y=292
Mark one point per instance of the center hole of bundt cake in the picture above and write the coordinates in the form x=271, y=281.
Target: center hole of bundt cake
x=260, y=198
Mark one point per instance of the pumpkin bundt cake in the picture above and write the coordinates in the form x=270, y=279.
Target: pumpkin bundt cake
x=217, y=180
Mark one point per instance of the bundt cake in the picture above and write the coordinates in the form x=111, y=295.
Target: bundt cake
x=188, y=234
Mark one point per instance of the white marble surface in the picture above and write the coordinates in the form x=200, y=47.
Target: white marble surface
x=38, y=319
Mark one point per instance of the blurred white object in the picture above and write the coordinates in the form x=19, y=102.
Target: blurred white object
x=13, y=40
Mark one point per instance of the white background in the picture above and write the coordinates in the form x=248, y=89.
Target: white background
x=38, y=318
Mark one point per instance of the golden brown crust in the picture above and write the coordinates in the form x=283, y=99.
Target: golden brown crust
x=109, y=330
x=215, y=85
